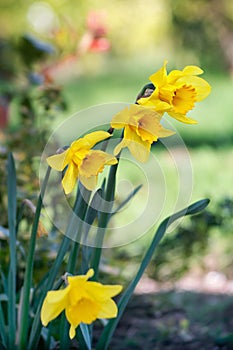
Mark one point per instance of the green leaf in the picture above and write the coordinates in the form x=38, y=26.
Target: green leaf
x=92, y=211
x=25, y=305
x=4, y=282
x=91, y=215
x=80, y=207
x=108, y=331
x=86, y=335
x=12, y=204
x=2, y=347
x=131, y=195
x=104, y=215
x=36, y=324
x=2, y=327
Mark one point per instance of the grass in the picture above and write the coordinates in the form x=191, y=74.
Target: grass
x=173, y=184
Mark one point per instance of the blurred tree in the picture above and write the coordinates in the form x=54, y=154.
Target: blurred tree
x=206, y=28
x=202, y=27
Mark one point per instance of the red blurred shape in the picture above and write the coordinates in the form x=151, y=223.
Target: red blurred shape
x=99, y=44
x=4, y=111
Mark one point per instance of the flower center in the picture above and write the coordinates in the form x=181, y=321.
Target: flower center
x=184, y=99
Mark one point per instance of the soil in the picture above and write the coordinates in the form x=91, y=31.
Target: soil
x=159, y=318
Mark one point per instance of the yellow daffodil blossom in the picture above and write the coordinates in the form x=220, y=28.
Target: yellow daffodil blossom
x=177, y=92
x=82, y=162
x=83, y=301
x=141, y=128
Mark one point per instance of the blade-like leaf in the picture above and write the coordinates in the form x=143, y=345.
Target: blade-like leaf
x=2, y=347
x=2, y=327
x=23, y=319
x=79, y=210
x=108, y=197
x=92, y=210
x=130, y=196
x=12, y=204
x=111, y=326
x=86, y=335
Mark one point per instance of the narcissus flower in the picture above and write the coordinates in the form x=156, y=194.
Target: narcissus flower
x=82, y=162
x=83, y=301
x=177, y=92
x=141, y=128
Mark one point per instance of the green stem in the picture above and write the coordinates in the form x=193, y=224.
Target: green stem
x=11, y=308
x=82, y=207
x=104, y=217
x=79, y=209
x=24, y=317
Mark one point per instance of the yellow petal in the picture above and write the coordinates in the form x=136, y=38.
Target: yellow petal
x=192, y=70
x=100, y=292
x=140, y=150
x=154, y=102
x=74, y=319
x=182, y=118
x=174, y=75
x=72, y=280
x=120, y=119
x=147, y=136
x=72, y=332
x=201, y=86
x=95, y=137
x=139, y=112
x=58, y=161
x=149, y=126
x=165, y=132
x=90, y=273
x=124, y=143
x=160, y=77
x=85, y=310
x=94, y=163
x=108, y=309
x=54, y=303
x=89, y=183
x=70, y=178
x=58, y=296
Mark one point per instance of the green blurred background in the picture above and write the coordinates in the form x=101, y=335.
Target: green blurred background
x=58, y=57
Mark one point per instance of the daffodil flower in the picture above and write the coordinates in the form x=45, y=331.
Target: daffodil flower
x=141, y=128
x=82, y=162
x=177, y=92
x=83, y=301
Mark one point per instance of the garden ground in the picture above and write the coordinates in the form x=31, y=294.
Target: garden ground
x=176, y=319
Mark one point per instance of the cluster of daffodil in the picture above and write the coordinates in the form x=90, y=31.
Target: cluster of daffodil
x=83, y=298
x=174, y=93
